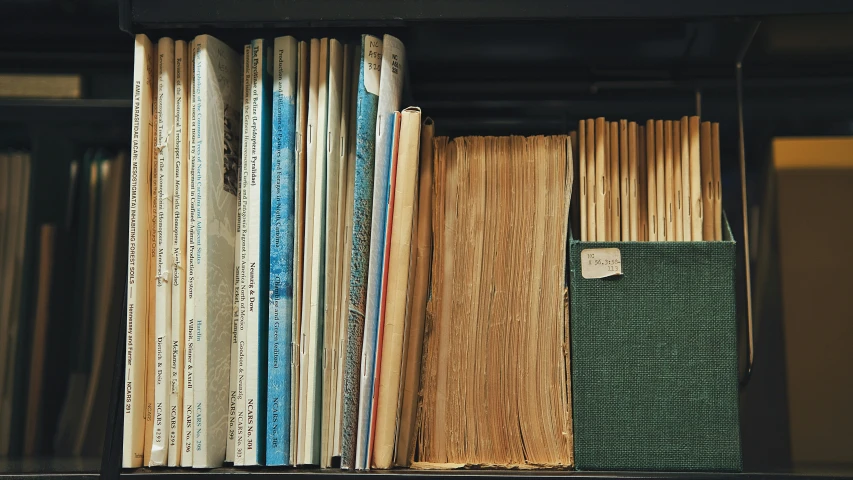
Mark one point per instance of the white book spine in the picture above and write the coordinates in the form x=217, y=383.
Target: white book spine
x=189, y=323
x=202, y=78
x=179, y=253
x=216, y=228
x=254, y=239
x=137, y=271
x=235, y=395
x=303, y=445
x=242, y=246
x=163, y=285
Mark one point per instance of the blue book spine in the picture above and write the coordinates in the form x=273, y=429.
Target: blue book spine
x=281, y=252
x=264, y=172
x=367, y=105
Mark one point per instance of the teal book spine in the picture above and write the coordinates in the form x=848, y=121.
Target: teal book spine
x=366, y=108
x=282, y=223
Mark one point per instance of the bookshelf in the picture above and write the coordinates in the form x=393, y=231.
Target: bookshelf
x=522, y=66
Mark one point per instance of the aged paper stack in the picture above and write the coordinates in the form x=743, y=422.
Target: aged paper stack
x=495, y=387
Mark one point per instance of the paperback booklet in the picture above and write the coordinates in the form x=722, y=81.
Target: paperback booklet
x=137, y=255
x=366, y=107
x=216, y=100
x=282, y=223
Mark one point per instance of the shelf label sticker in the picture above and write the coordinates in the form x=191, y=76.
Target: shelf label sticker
x=372, y=63
x=601, y=262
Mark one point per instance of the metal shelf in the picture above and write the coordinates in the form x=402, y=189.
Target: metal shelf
x=154, y=14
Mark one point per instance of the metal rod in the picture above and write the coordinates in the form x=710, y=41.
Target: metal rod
x=750, y=346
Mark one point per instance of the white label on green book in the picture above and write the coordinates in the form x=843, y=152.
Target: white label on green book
x=601, y=262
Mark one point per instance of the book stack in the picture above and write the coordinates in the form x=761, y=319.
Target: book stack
x=272, y=253
x=60, y=285
x=658, y=182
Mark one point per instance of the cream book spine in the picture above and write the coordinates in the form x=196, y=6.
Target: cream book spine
x=179, y=253
x=189, y=309
x=651, y=183
x=152, y=277
x=660, y=183
x=583, y=179
x=601, y=167
x=137, y=256
x=304, y=447
x=624, y=182
x=696, y=212
x=686, y=222
x=398, y=283
x=591, y=182
x=331, y=320
x=163, y=285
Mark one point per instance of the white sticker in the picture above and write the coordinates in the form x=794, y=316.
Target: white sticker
x=601, y=262
x=372, y=64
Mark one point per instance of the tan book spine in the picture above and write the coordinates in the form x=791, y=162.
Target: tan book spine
x=669, y=183
x=651, y=181
x=615, y=190
x=584, y=199
x=707, y=170
x=591, y=196
x=624, y=183
x=415, y=344
x=574, y=211
x=633, y=190
x=642, y=186
x=660, y=182
x=718, y=191
x=601, y=185
x=685, y=179
x=695, y=181
x=398, y=282
x=37, y=354
x=676, y=173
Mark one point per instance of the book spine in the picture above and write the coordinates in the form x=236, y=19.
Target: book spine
x=179, y=254
x=368, y=101
x=189, y=325
x=402, y=205
x=202, y=77
x=243, y=256
x=348, y=169
x=281, y=252
x=330, y=233
x=151, y=332
x=163, y=290
x=302, y=84
x=394, y=139
x=390, y=94
x=137, y=270
x=236, y=398
x=258, y=237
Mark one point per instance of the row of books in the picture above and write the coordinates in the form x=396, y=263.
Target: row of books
x=660, y=182
x=61, y=289
x=273, y=203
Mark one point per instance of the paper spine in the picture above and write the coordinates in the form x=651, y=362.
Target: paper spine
x=282, y=222
x=163, y=290
x=192, y=241
x=179, y=253
x=137, y=272
x=368, y=102
x=390, y=97
x=242, y=256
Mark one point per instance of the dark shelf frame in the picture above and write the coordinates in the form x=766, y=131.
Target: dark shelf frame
x=142, y=15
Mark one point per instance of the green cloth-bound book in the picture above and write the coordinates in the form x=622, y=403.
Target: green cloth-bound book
x=654, y=358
